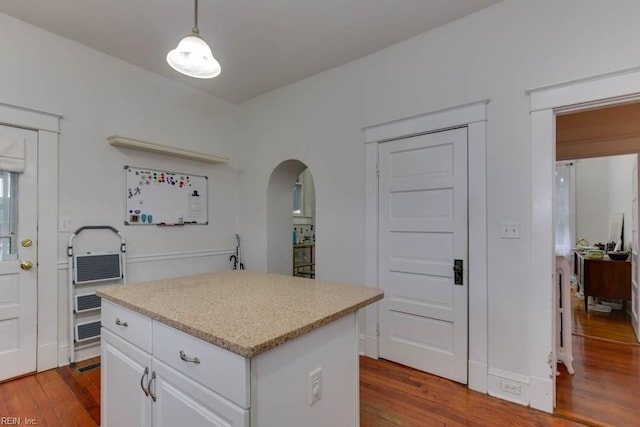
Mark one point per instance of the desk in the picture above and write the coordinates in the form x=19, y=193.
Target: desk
x=603, y=278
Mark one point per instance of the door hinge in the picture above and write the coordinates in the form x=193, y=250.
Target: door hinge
x=378, y=169
x=378, y=329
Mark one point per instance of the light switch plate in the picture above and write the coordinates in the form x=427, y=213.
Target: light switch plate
x=510, y=230
x=64, y=224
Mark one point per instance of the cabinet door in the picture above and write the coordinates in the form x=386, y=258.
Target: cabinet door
x=180, y=401
x=123, y=401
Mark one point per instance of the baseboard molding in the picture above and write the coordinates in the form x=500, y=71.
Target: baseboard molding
x=478, y=376
x=541, y=390
x=84, y=353
x=371, y=346
x=47, y=356
x=508, y=386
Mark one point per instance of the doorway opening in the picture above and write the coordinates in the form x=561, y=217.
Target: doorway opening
x=609, y=89
x=595, y=169
x=304, y=234
x=291, y=220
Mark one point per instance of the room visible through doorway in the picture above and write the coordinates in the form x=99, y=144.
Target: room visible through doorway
x=605, y=345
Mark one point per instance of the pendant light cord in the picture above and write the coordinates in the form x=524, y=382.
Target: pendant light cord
x=195, y=29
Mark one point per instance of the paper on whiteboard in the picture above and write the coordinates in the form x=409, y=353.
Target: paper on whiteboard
x=194, y=206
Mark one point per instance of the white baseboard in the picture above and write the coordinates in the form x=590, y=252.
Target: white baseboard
x=84, y=353
x=47, y=356
x=542, y=394
x=508, y=386
x=361, y=345
x=478, y=376
x=371, y=346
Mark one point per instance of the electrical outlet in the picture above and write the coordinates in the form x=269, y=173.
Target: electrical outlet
x=315, y=385
x=510, y=387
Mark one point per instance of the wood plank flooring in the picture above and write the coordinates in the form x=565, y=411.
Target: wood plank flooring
x=58, y=397
x=604, y=390
x=393, y=395
x=615, y=325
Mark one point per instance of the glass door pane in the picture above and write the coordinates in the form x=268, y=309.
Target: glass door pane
x=8, y=216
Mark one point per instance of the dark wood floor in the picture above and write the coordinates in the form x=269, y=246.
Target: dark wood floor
x=58, y=397
x=605, y=389
x=615, y=325
x=393, y=395
x=390, y=395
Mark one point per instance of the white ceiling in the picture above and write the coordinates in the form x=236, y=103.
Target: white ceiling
x=261, y=44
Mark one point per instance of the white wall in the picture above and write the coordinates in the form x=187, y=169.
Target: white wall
x=498, y=54
x=592, y=200
x=620, y=193
x=98, y=96
x=603, y=188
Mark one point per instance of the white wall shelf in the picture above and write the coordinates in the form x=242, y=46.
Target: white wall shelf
x=121, y=141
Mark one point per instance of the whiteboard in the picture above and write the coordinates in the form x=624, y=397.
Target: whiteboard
x=156, y=197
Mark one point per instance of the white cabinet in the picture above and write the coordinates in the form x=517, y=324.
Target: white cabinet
x=138, y=389
x=156, y=375
x=182, y=401
x=123, y=401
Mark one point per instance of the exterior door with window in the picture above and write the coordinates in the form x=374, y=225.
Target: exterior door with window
x=423, y=231
x=18, y=249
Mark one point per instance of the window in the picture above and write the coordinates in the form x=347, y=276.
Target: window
x=8, y=215
x=298, y=198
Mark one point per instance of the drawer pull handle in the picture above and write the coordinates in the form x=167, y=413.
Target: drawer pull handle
x=146, y=372
x=119, y=323
x=186, y=358
x=152, y=379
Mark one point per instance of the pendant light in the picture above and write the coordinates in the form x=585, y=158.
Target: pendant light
x=193, y=55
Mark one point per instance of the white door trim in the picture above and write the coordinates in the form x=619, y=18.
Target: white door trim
x=474, y=116
x=607, y=89
x=47, y=126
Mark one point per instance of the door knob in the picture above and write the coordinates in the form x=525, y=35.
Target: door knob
x=26, y=243
x=26, y=265
x=457, y=272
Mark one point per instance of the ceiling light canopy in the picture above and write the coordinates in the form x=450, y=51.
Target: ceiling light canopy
x=193, y=55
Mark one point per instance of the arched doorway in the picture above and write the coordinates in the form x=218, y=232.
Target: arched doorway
x=289, y=177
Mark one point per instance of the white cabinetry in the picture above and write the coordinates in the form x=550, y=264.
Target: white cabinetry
x=153, y=374
x=180, y=401
x=140, y=389
x=123, y=402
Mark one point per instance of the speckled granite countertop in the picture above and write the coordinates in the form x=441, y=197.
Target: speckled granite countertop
x=244, y=312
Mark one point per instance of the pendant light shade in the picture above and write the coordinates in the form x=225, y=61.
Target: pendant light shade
x=192, y=56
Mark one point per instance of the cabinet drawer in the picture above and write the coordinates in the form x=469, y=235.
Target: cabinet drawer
x=222, y=371
x=127, y=324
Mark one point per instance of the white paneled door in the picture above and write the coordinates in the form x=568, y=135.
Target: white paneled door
x=422, y=237
x=18, y=241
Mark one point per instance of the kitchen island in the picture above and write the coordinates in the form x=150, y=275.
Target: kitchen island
x=231, y=348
